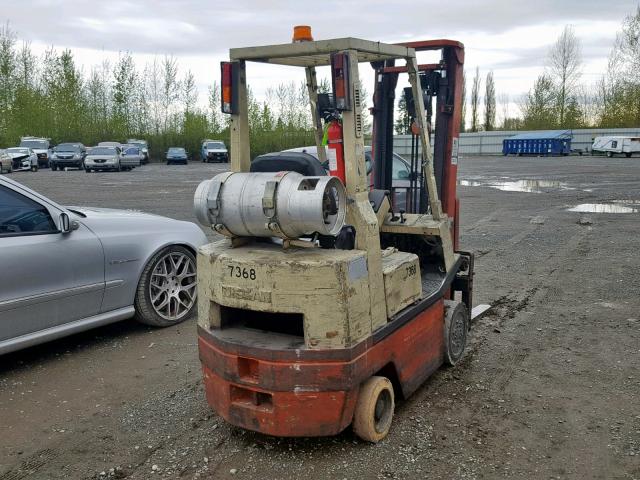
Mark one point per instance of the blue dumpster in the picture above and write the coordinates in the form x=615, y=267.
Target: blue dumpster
x=544, y=142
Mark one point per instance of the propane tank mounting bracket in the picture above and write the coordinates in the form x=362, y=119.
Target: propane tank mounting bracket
x=213, y=197
x=269, y=199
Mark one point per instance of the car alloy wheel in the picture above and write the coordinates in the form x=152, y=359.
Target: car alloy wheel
x=172, y=288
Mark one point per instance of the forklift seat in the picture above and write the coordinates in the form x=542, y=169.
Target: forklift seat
x=300, y=162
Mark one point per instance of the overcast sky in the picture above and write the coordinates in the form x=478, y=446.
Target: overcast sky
x=510, y=37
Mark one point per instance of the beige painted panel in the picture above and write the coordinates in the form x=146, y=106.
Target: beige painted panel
x=329, y=287
x=402, y=284
x=414, y=224
x=317, y=52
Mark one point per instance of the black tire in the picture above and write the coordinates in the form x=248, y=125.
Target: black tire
x=609, y=154
x=54, y=167
x=145, y=311
x=87, y=170
x=628, y=155
x=456, y=328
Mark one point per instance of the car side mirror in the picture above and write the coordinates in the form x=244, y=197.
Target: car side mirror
x=66, y=224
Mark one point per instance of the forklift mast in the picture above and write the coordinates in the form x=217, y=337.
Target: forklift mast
x=443, y=82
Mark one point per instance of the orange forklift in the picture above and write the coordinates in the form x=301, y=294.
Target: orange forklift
x=332, y=294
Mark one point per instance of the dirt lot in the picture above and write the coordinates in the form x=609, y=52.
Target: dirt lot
x=550, y=387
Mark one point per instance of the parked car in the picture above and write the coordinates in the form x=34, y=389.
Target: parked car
x=131, y=157
x=613, y=145
x=23, y=158
x=214, y=151
x=400, y=176
x=69, y=269
x=144, y=148
x=41, y=146
x=6, y=162
x=103, y=158
x=68, y=155
x=177, y=155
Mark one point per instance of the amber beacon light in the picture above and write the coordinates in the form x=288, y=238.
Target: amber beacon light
x=302, y=33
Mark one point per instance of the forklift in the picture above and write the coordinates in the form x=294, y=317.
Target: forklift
x=330, y=296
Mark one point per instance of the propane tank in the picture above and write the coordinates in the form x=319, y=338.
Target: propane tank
x=335, y=150
x=265, y=204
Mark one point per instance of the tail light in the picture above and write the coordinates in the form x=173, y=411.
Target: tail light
x=229, y=97
x=340, y=79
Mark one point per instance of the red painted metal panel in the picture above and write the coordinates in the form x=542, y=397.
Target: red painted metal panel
x=313, y=397
x=422, y=45
x=422, y=67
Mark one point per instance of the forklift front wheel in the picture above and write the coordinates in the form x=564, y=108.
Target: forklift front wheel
x=374, y=409
x=456, y=326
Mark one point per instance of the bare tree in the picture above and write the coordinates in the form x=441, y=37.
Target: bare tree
x=170, y=89
x=475, y=102
x=619, y=89
x=503, y=101
x=627, y=46
x=565, y=69
x=154, y=89
x=489, y=103
x=189, y=92
x=215, y=116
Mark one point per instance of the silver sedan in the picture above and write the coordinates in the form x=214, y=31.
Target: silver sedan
x=68, y=269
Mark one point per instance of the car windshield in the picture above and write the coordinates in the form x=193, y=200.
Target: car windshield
x=103, y=151
x=67, y=147
x=18, y=150
x=132, y=151
x=176, y=150
x=217, y=145
x=39, y=144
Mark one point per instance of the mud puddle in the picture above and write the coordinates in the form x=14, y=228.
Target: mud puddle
x=526, y=186
x=602, y=208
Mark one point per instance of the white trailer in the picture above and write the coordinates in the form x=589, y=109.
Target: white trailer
x=616, y=145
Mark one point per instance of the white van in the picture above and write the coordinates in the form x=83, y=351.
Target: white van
x=613, y=145
x=41, y=146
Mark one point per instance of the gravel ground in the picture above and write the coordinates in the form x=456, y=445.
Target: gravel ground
x=549, y=387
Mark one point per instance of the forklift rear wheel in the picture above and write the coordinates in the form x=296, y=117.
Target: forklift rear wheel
x=374, y=409
x=456, y=326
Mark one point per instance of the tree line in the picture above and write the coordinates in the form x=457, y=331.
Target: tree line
x=50, y=96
